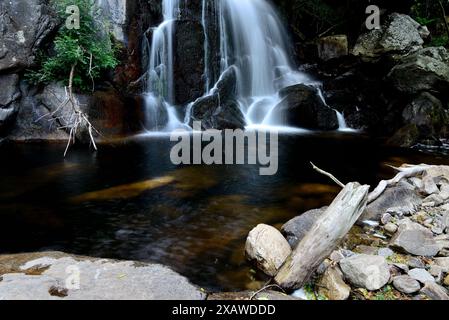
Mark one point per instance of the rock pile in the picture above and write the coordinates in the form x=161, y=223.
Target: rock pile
x=398, y=250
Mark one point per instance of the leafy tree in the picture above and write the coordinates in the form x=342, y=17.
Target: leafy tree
x=79, y=56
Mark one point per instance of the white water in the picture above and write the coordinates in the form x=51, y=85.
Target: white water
x=252, y=38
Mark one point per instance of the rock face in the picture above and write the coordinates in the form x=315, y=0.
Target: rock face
x=415, y=239
x=332, y=286
x=426, y=70
x=267, y=248
x=116, y=13
x=296, y=229
x=402, y=196
x=24, y=25
x=188, y=61
x=406, y=284
x=9, y=96
x=47, y=278
x=333, y=47
x=302, y=107
x=399, y=34
x=365, y=271
x=220, y=109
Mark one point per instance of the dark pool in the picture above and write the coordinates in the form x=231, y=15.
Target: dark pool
x=127, y=201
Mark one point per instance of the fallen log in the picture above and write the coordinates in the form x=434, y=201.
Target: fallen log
x=324, y=237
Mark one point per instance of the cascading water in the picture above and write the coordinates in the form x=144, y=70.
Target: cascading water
x=250, y=37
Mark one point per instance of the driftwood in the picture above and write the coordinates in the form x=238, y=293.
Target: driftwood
x=324, y=236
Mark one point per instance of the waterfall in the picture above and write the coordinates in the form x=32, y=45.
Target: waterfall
x=249, y=36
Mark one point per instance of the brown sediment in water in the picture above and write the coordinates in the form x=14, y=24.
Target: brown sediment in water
x=124, y=191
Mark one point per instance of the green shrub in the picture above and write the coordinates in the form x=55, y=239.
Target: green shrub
x=88, y=49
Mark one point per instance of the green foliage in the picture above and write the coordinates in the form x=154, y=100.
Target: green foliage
x=89, y=49
x=429, y=13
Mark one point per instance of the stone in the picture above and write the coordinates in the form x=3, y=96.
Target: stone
x=267, y=248
x=45, y=279
x=437, y=273
x=421, y=275
x=429, y=116
x=9, y=96
x=391, y=228
x=333, y=47
x=399, y=35
x=402, y=195
x=446, y=281
x=296, y=229
x=414, y=262
x=24, y=27
x=415, y=239
x=434, y=291
x=385, y=252
x=386, y=218
x=301, y=106
x=332, y=286
x=443, y=262
x=364, y=271
x=405, y=137
x=406, y=284
x=220, y=109
x=426, y=70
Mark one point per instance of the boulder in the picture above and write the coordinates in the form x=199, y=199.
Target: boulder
x=434, y=291
x=405, y=137
x=399, y=35
x=402, y=195
x=45, y=277
x=415, y=239
x=220, y=109
x=24, y=26
x=365, y=271
x=446, y=281
x=333, y=47
x=425, y=70
x=427, y=113
x=267, y=248
x=332, y=286
x=296, y=229
x=188, y=61
x=421, y=275
x=406, y=284
x=301, y=106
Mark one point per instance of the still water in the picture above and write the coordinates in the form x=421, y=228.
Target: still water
x=127, y=201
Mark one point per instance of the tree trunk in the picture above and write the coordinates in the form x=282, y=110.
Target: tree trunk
x=324, y=237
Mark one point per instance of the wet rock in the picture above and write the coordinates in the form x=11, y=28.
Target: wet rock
x=296, y=229
x=267, y=248
x=333, y=47
x=302, y=107
x=443, y=263
x=402, y=195
x=427, y=113
x=434, y=291
x=405, y=137
x=188, y=61
x=426, y=70
x=364, y=271
x=332, y=286
x=399, y=35
x=100, y=280
x=220, y=110
x=406, y=284
x=415, y=239
x=9, y=96
x=421, y=275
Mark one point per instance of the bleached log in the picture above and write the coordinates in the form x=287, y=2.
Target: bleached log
x=324, y=237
